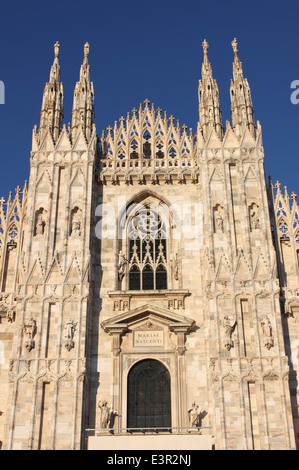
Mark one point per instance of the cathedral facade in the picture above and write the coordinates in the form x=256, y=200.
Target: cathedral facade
x=149, y=281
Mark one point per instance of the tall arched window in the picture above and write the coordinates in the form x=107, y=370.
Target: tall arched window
x=147, y=251
x=149, y=397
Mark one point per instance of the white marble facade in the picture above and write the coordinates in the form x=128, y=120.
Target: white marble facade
x=149, y=246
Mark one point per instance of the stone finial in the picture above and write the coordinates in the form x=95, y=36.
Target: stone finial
x=86, y=50
x=56, y=49
x=235, y=46
x=205, y=46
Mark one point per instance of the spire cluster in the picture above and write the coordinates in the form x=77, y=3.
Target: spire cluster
x=209, y=104
x=208, y=95
x=52, y=105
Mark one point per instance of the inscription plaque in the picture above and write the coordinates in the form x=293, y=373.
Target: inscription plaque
x=149, y=338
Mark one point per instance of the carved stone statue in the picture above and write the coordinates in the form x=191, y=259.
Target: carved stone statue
x=229, y=326
x=175, y=266
x=267, y=332
x=40, y=225
x=218, y=221
x=29, y=329
x=194, y=415
x=254, y=218
x=70, y=328
x=121, y=265
x=235, y=46
x=76, y=226
x=105, y=414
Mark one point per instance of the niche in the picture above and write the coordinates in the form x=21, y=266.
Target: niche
x=218, y=219
x=76, y=222
x=254, y=217
x=40, y=221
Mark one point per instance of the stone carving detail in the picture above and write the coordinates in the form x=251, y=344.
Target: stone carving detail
x=121, y=266
x=121, y=305
x=218, y=219
x=40, y=222
x=254, y=217
x=229, y=326
x=107, y=416
x=267, y=332
x=76, y=221
x=29, y=329
x=70, y=328
x=148, y=326
x=175, y=266
x=176, y=304
x=194, y=415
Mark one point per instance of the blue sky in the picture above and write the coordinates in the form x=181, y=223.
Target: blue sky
x=150, y=50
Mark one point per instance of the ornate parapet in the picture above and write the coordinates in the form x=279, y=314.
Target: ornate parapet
x=148, y=148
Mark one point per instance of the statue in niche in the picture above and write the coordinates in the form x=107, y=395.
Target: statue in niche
x=267, y=332
x=76, y=222
x=11, y=315
x=70, y=328
x=29, y=329
x=229, y=326
x=218, y=220
x=254, y=217
x=105, y=414
x=121, y=265
x=40, y=223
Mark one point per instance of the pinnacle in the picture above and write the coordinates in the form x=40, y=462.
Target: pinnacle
x=56, y=49
x=235, y=46
x=86, y=49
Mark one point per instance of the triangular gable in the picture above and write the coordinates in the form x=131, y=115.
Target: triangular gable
x=47, y=143
x=230, y=140
x=247, y=140
x=242, y=272
x=63, y=143
x=73, y=275
x=250, y=174
x=54, y=275
x=261, y=270
x=44, y=179
x=213, y=140
x=80, y=143
x=36, y=275
x=223, y=271
x=139, y=314
x=78, y=178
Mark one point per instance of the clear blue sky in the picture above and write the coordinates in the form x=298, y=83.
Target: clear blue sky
x=151, y=50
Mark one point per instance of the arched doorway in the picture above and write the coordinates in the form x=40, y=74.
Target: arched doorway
x=149, y=396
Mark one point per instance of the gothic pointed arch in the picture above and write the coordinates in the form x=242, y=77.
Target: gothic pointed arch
x=146, y=245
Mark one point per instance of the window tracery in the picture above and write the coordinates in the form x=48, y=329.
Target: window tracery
x=147, y=261
x=283, y=228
